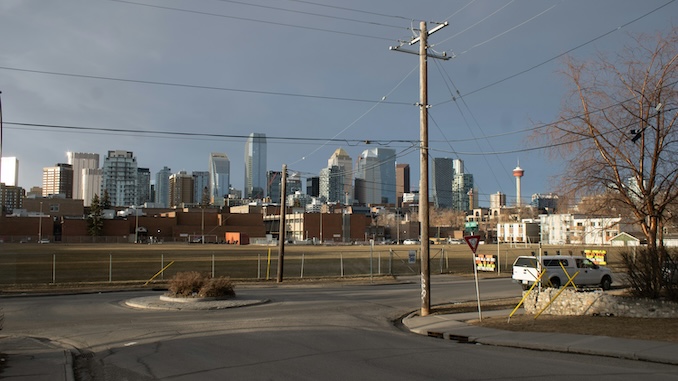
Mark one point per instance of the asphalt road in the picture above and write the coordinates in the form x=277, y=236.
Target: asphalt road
x=329, y=332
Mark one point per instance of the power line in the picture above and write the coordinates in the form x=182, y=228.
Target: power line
x=563, y=53
x=207, y=135
x=308, y=13
x=201, y=87
x=351, y=9
x=249, y=19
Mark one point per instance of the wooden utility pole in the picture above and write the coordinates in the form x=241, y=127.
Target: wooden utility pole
x=282, y=230
x=423, y=171
x=423, y=159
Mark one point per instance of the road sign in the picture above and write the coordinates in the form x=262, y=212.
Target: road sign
x=472, y=241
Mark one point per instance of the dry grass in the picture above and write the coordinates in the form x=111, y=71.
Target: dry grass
x=612, y=326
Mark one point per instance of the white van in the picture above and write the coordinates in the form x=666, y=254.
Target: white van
x=590, y=274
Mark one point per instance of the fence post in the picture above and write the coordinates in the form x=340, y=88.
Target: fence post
x=390, y=262
x=302, y=265
x=110, y=267
x=53, y=268
x=258, y=266
x=442, y=254
x=162, y=266
x=341, y=263
x=213, y=275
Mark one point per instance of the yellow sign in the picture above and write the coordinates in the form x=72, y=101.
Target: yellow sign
x=598, y=257
x=486, y=262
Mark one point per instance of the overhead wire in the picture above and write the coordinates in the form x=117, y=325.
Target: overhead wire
x=351, y=9
x=564, y=53
x=308, y=13
x=249, y=19
x=201, y=87
x=361, y=116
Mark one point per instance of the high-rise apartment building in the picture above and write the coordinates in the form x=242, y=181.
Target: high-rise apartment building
x=181, y=189
x=58, y=180
x=201, y=187
x=343, y=161
x=443, y=173
x=12, y=198
x=119, y=178
x=255, y=166
x=497, y=200
x=220, y=178
x=162, y=191
x=331, y=184
x=376, y=170
x=81, y=162
x=402, y=182
x=9, y=171
x=461, y=185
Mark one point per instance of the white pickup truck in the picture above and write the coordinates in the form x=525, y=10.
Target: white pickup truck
x=525, y=271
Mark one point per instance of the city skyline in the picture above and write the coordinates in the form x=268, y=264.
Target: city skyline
x=74, y=80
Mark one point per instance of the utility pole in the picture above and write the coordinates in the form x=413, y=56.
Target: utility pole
x=2, y=193
x=423, y=158
x=282, y=230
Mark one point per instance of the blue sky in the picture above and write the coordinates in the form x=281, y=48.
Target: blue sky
x=175, y=80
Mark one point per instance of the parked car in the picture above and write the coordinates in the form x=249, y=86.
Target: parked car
x=44, y=240
x=411, y=242
x=526, y=273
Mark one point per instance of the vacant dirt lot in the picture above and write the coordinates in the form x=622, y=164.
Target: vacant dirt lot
x=613, y=326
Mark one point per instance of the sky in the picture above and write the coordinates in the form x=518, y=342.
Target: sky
x=172, y=81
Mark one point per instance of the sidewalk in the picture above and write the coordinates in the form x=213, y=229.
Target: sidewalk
x=28, y=358
x=453, y=327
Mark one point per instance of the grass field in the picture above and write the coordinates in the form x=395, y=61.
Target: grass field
x=55, y=263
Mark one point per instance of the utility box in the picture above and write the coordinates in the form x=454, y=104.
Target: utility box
x=236, y=238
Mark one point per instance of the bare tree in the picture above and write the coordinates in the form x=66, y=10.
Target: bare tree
x=617, y=130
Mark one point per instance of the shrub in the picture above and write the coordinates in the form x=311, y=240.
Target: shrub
x=651, y=273
x=217, y=287
x=195, y=284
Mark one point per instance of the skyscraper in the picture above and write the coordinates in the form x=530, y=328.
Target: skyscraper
x=181, y=189
x=461, y=185
x=376, y=170
x=443, y=172
x=402, y=181
x=91, y=184
x=293, y=183
x=331, y=184
x=313, y=186
x=143, y=186
x=273, y=185
x=81, y=162
x=162, y=187
x=58, y=180
x=255, y=166
x=220, y=178
x=343, y=161
x=119, y=179
x=9, y=171
x=201, y=187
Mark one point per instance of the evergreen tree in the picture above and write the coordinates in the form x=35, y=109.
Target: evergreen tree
x=95, y=222
x=105, y=201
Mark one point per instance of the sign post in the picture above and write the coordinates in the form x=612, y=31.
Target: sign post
x=472, y=241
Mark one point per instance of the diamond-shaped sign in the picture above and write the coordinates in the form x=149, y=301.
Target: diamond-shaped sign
x=472, y=241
